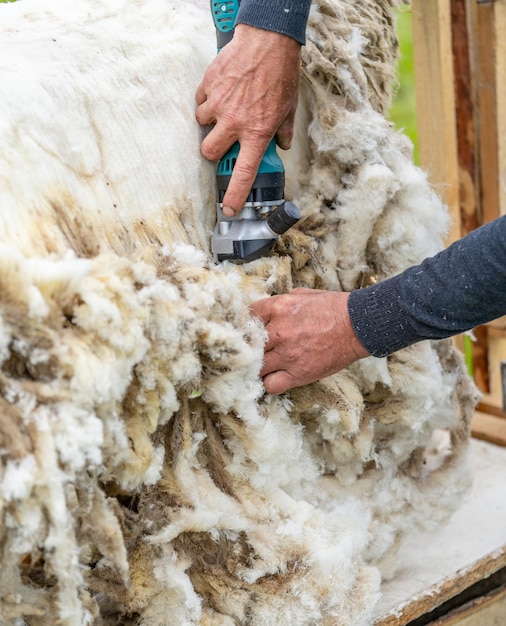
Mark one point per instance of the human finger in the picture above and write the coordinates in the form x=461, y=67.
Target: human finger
x=261, y=309
x=204, y=115
x=278, y=382
x=272, y=362
x=216, y=143
x=243, y=176
x=284, y=134
x=200, y=94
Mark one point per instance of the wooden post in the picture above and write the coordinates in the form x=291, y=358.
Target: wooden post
x=435, y=101
x=445, y=102
x=460, y=76
x=486, y=64
x=500, y=29
x=465, y=112
x=467, y=126
x=489, y=22
x=473, y=132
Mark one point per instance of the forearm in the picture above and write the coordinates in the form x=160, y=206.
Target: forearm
x=287, y=17
x=460, y=288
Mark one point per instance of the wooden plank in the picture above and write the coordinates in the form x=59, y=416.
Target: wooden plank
x=489, y=428
x=493, y=401
x=436, y=566
x=445, y=590
x=468, y=172
x=486, y=64
x=497, y=327
x=490, y=409
x=469, y=194
x=486, y=610
x=489, y=62
x=435, y=101
x=500, y=29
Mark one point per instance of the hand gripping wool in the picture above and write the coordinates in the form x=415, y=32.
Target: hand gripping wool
x=145, y=476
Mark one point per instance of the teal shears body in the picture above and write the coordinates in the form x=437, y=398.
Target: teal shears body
x=266, y=214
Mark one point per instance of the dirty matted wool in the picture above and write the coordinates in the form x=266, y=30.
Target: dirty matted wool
x=145, y=477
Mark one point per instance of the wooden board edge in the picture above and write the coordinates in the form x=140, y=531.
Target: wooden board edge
x=488, y=427
x=444, y=590
x=472, y=608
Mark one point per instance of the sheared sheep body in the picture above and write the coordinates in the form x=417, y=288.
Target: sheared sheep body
x=145, y=476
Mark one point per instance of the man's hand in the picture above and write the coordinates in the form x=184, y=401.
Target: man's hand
x=310, y=337
x=250, y=94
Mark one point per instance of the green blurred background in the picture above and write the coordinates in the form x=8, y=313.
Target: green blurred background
x=403, y=110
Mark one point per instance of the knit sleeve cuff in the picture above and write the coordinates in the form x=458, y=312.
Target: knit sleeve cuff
x=287, y=17
x=379, y=320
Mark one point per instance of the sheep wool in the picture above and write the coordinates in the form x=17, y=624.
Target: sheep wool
x=145, y=476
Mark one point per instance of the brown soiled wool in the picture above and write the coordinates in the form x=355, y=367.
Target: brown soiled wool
x=145, y=476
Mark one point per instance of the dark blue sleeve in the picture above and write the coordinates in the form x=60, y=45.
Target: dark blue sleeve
x=460, y=288
x=288, y=17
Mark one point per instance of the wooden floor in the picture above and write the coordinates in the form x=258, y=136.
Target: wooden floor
x=438, y=567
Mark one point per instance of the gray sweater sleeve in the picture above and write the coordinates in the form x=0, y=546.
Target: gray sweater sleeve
x=288, y=17
x=460, y=288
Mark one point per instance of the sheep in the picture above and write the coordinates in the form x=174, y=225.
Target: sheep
x=145, y=475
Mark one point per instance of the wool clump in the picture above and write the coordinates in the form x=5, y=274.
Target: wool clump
x=145, y=476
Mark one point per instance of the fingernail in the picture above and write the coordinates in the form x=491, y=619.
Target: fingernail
x=228, y=211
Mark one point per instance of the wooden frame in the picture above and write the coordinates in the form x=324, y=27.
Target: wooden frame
x=456, y=574
x=460, y=76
